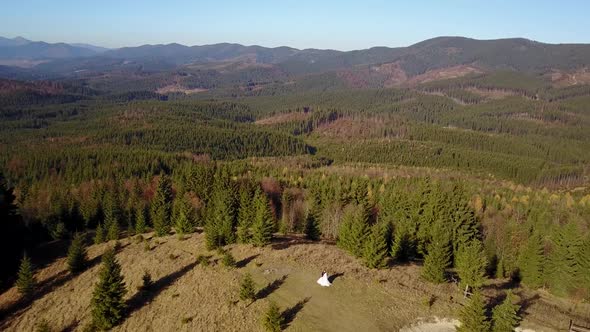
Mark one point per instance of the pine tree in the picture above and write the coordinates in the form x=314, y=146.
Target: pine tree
x=472, y=264
x=312, y=227
x=273, y=319
x=438, y=257
x=531, y=262
x=112, y=213
x=161, y=208
x=108, y=304
x=247, y=288
x=505, y=315
x=99, y=237
x=376, y=247
x=473, y=315
x=25, y=282
x=77, y=257
x=140, y=222
x=263, y=225
x=561, y=263
x=113, y=231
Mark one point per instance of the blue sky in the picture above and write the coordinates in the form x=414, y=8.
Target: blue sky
x=342, y=25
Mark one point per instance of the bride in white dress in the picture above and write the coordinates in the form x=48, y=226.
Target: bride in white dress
x=323, y=281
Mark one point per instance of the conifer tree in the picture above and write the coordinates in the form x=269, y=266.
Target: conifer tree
x=354, y=230
x=263, y=225
x=228, y=259
x=25, y=282
x=505, y=315
x=583, y=262
x=473, y=315
x=438, y=257
x=273, y=319
x=286, y=200
x=43, y=326
x=247, y=288
x=161, y=207
x=108, y=304
x=376, y=247
x=312, y=227
x=77, y=257
x=140, y=222
x=219, y=228
x=245, y=216
x=404, y=243
x=532, y=261
x=561, y=263
x=100, y=236
x=472, y=264
x=113, y=231
x=183, y=216
x=112, y=213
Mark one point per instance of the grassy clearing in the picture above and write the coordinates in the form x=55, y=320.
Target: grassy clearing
x=187, y=296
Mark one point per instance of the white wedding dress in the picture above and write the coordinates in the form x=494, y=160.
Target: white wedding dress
x=323, y=281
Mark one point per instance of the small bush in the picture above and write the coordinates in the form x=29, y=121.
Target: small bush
x=228, y=260
x=43, y=326
x=186, y=320
x=147, y=246
x=202, y=260
x=147, y=281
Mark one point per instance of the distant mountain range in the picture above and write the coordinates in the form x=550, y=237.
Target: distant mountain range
x=470, y=55
x=20, y=48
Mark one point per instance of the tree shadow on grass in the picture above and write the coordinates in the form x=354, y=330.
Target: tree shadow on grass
x=245, y=261
x=286, y=241
x=45, y=287
x=525, y=303
x=266, y=291
x=142, y=298
x=335, y=276
x=290, y=313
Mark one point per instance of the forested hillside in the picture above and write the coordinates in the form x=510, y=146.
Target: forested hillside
x=476, y=176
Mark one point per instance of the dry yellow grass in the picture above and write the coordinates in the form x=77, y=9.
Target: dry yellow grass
x=190, y=297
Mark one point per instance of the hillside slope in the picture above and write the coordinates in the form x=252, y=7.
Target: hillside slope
x=191, y=297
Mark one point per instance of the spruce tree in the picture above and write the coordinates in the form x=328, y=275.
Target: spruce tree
x=354, y=230
x=561, y=263
x=140, y=222
x=228, y=259
x=312, y=227
x=161, y=207
x=583, y=262
x=505, y=315
x=438, y=257
x=77, y=257
x=43, y=326
x=532, y=261
x=273, y=319
x=245, y=216
x=100, y=236
x=472, y=264
x=108, y=304
x=247, y=288
x=25, y=282
x=473, y=315
x=113, y=231
x=183, y=223
x=219, y=228
x=376, y=247
x=263, y=225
